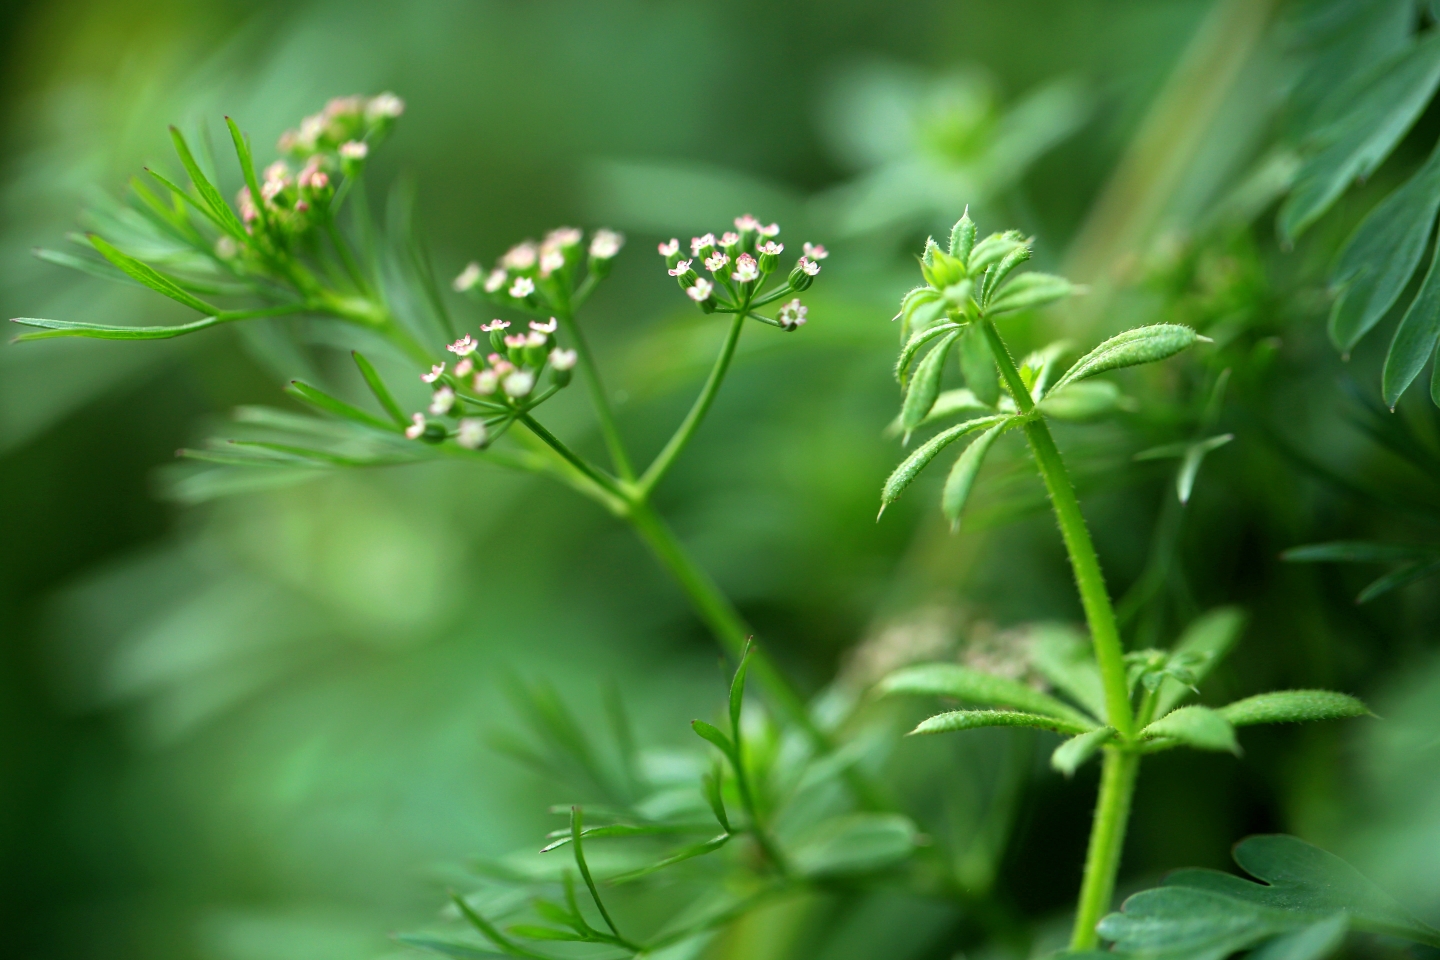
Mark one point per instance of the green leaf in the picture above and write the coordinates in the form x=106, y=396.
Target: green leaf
x=1027, y=291
x=855, y=843
x=318, y=398
x=962, y=238
x=1360, y=551
x=101, y=331
x=1314, y=942
x=448, y=948
x=1198, y=727
x=1414, y=339
x=1081, y=401
x=1307, y=885
x=1190, y=463
x=1141, y=345
x=710, y=784
x=1202, y=646
x=951, y=403
x=532, y=932
x=911, y=466
x=103, y=269
x=1354, y=145
x=1292, y=706
x=737, y=690
x=150, y=277
x=1062, y=655
x=992, y=250
x=1075, y=752
x=977, y=364
x=974, y=719
x=679, y=856
x=203, y=208
x=378, y=388
x=966, y=469
x=1193, y=924
x=973, y=686
x=998, y=274
x=913, y=345
x=1381, y=256
x=925, y=385
x=222, y=214
x=715, y=735
x=1396, y=579
x=247, y=164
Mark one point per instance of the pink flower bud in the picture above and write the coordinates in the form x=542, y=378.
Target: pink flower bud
x=354, y=150
x=463, y=368
x=606, y=244
x=522, y=256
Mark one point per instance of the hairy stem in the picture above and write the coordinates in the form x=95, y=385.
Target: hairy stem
x=1107, y=837
x=692, y=420
x=603, y=413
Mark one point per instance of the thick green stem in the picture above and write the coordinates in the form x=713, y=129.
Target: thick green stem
x=603, y=413
x=691, y=423
x=1107, y=838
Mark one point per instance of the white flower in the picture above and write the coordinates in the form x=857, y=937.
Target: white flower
x=716, y=263
x=746, y=269
x=670, y=248
x=550, y=261
x=680, y=268
x=441, y=401
x=278, y=171
x=486, y=382
x=500, y=365
x=535, y=339
x=606, y=243
x=463, y=368
x=465, y=346
x=815, y=251
x=547, y=327
x=386, y=106
x=472, y=433
x=496, y=280
x=226, y=247
x=434, y=373
x=729, y=239
x=770, y=230
x=700, y=243
x=467, y=278
x=563, y=359
x=522, y=256
x=494, y=325
x=519, y=383
x=522, y=288
x=810, y=267
x=564, y=237
x=746, y=222
x=354, y=150
x=515, y=340
x=701, y=291
x=417, y=426
x=772, y=248
x=792, y=315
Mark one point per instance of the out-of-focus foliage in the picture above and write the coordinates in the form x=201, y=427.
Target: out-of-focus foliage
x=264, y=727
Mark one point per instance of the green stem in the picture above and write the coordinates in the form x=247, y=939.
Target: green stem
x=603, y=413
x=692, y=420
x=605, y=482
x=1107, y=837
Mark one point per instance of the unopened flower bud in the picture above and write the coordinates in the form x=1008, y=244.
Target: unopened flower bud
x=521, y=258
x=519, y=383
x=792, y=315
x=467, y=278
x=472, y=433
x=551, y=261
x=770, y=255
x=442, y=401
x=463, y=368
x=382, y=108
x=495, y=280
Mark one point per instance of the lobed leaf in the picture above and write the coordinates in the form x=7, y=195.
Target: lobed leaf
x=1198, y=727
x=1027, y=291
x=974, y=719
x=1292, y=706
x=962, y=476
x=1314, y=942
x=150, y=277
x=1077, y=751
x=911, y=466
x=925, y=385
x=1128, y=349
x=974, y=686
x=1194, y=924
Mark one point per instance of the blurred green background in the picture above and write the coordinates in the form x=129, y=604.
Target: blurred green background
x=259, y=726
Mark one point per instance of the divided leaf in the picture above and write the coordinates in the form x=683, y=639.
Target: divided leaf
x=222, y=214
x=103, y=331
x=318, y=398
x=378, y=388
x=1128, y=349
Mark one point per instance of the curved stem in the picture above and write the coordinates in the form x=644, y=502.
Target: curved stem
x=603, y=413
x=1107, y=838
x=600, y=478
x=692, y=420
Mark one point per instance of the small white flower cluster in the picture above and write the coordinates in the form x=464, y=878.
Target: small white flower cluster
x=542, y=275
x=290, y=202
x=507, y=375
x=738, y=262
x=346, y=124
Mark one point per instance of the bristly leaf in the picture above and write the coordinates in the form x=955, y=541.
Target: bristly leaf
x=223, y=215
x=1027, y=291
x=911, y=466
x=977, y=364
x=1381, y=256
x=998, y=274
x=378, y=388
x=1128, y=349
x=1415, y=339
x=963, y=474
x=1198, y=727
x=1075, y=752
x=973, y=686
x=1292, y=706
x=962, y=238
x=101, y=331
x=318, y=398
x=1082, y=401
x=992, y=250
x=1202, y=646
x=715, y=735
x=925, y=385
x=913, y=345
x=975, y=719
x=150, y=277
x=1063, y=656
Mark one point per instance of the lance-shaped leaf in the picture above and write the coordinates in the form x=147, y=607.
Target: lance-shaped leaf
x=952, y=403
x=977, y=363
x=1201, y=647
x=1198, y=727
x=925, y=385
x=974, y=686
x=1414, y=339
x=1075, y=752
x=1417, y=561
x=911, y=466
x=913, y=345
x=1396, y=579
x=715, y=735
x=220, y=210
x=1292, y=706
x=378, y=388
x=974, y=719
x=1306, y=884
x=147, y=275
x=962, y=237
x=247, y=165
x=992, y=250
x=998, y=274
x=318, y=398
x=1355, y=144
x=1027, y=291
x=102, y=331
x=963, y=474
x=1128, y=349
x=1191, y=454
x=1381, y=256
